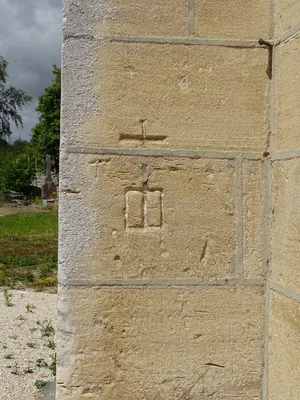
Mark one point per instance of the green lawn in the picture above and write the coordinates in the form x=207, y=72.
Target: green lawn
x=28, y=250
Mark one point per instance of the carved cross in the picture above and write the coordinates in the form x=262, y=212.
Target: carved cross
x=48, y=162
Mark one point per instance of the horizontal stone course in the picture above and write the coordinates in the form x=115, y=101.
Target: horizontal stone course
x=162, y=343
x=157, y=218
x=178, y=96
x=146, y=18
x=98, y=18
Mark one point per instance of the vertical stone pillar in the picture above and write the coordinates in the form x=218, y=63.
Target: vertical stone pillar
x=164, y=198
x=284, y=282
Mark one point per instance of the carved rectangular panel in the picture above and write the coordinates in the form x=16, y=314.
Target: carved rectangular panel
x=134, y=209
x=153, y=208
x=143, y=208
x=159, y=223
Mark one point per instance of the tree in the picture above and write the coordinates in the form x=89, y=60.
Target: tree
x=12, y=101
x=46, y=134
x=17, y=169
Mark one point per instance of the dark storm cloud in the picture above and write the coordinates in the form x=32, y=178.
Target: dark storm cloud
x=30, y=40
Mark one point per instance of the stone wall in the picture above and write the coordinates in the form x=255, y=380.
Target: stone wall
x=284, y=285
x=173, y=133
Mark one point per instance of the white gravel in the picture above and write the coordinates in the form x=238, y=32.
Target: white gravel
x=22, y=343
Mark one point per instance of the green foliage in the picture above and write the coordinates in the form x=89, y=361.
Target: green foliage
x=20, y=147
x=18, y=169
x=46, y=134
x=12, y=100
x=17, y=172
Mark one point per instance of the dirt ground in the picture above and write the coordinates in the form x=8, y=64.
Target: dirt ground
x=27, y=345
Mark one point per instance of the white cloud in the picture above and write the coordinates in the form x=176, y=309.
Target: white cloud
x=30, y=32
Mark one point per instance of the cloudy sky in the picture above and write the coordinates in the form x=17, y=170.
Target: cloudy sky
x=30, y=40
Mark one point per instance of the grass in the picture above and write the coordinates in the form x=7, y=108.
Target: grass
x=28, y=250
x=28, y=224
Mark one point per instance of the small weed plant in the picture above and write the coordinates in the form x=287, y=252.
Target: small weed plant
x=39, y=384
x=46, y=328
x=41, y=363
x=7, y=298
x=52, y=367
x=30, y=308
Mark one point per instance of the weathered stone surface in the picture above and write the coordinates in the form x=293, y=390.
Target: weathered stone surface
x=129, y=18
x=233, y=19
x=162, y=343
x=144, y=18
x=179, y=96
x=131, y=217
x=284, y=348
x=172, y=96
x=81, y=16
x=79, y=61
x=286, y=224
x=287, y=15
x=287, y=97
x=253, y=219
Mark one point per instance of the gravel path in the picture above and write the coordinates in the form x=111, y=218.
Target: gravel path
x=26, y=342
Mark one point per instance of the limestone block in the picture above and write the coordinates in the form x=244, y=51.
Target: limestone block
x=253, y=219
x=287, y=97
x=131, y=217
x=286, y=224
x=175, y=96
x=162, y=343
x=284, y=348
x=287, y=15
x=144, y=18
x=130, y=18
x=233, y=19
